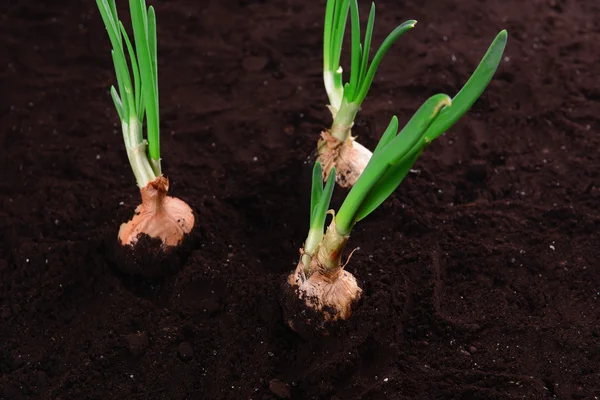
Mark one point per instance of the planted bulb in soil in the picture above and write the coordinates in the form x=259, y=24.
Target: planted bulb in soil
x=349, y=158
x=152, y=244
x=323, y=291
x=159, y=216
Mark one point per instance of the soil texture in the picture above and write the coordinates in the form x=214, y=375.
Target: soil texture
x=480, y=274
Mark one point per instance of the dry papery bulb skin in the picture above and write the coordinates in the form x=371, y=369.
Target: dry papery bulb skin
x=327, y=292
x=159, y=216
x=348, y=157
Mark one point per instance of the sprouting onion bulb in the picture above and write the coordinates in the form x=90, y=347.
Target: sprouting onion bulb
x=320, y=278
x=337, y=147
x=136, y=102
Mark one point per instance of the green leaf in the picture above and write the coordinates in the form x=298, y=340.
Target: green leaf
x=462, y=102
x=398, y=156
x=415, y=129
x=428, y=124
x=387, y=137
x=316, y=189
x=109, y=17
x=371, y=188
x=367, y=46
x=139, y=21
x=113, y=9
x=392, y=161
x=320, y=212
x=152, y=45
x=328, y=33
x=144, y=15
x=136, y=72
x=118, y=103
x=356, y=49
x=386, y=185
x=121, y=70
x=108, y=14
x=339, y=28
x=365, y=85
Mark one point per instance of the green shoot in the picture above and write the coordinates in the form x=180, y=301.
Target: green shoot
x=396, y=153
x=320, y=278
x=345, y=99
x=137, y=96
x=319, y=204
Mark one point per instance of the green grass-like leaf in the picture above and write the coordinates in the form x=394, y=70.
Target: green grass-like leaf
x=387, y=137
x=109, y=17
x=367, y=45
x=316, y=190
x=152, y=46
x=395, y=154
x=376, y=182
x=139, y=20
x=320, y=197
x=400, y=154
x=366, y=80
x=118, y=102
x=361, y=74
x=139, y=105
x=466, y=97
x=356, y=53
x=137, y=82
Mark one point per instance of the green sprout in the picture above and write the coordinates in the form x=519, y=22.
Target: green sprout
x=137, y=95
x=345, y=99
x=337, y=147
x=319, y=204
x=320, y=277
x=136, y=102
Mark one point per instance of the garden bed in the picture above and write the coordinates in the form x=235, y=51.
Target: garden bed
x=481, y=276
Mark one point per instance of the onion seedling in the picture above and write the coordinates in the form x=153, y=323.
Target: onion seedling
x=320, y=278
x=136, y=102
x=337, y=147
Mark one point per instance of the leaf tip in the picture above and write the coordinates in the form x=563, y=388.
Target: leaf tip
x=502, y=36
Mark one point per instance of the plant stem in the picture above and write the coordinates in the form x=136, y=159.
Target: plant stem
x=315, y=235
x=344, y=120
x=156, y=167
x=136, y=152
x=329, y=253
x=334, y=89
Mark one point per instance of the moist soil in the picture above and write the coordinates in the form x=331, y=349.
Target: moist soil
x=480, y=274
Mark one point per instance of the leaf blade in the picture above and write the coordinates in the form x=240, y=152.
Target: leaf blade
x=372, y=180
x=316, y=191
x=356, y=53
x=367, y=45
x=323, y=205
x=385, y=46
x=472, y=90
x=388, y=135
x=135, y=69
x=140, y=33
x=118, y=103
x=390, y=180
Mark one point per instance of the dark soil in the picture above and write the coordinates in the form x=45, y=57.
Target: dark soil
x=481, y=275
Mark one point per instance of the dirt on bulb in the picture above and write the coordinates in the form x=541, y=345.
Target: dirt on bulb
x=156, y=241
